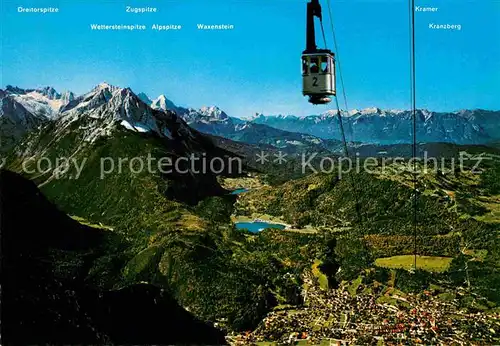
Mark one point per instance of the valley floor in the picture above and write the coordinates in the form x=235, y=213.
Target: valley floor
x=362, y=315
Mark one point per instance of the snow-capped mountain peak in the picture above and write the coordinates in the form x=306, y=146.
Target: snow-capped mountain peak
x=104, y=86
x=98, y=113
x=160, y=102
x=49, y=92
x=213, y=112
x=67, y=97
x=163, y=103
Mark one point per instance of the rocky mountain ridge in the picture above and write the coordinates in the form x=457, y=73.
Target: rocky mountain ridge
x=26, y=109
x=377, y=126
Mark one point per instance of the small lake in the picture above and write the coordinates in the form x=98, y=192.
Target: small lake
x=238, y=191
x=257, y=226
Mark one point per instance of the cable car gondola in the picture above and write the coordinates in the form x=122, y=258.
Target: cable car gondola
x=318, y=65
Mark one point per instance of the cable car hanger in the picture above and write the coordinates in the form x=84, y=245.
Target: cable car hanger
x=318, y=65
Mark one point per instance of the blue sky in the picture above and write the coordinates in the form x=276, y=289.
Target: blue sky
x=256, y=67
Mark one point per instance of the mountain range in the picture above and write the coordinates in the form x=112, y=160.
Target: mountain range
x=23, y=110
x=376, y=126
x=213, y=120
x=109, y=116
x=369, y=126
x=26, y=109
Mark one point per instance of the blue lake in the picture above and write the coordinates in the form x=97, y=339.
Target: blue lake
x=257, y=226
x=238, y=191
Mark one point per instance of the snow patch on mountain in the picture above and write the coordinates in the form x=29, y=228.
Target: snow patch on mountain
x=294, y=142
x=136, y=127
x=45, y=102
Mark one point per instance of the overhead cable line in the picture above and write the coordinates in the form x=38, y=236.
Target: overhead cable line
x=330, y=16
x=339, y=113
x=411, y=4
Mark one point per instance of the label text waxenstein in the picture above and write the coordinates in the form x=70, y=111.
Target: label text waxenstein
x=215, y=27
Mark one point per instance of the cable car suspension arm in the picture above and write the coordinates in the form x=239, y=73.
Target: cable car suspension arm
x=313, y=10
